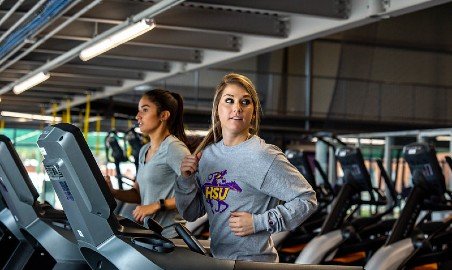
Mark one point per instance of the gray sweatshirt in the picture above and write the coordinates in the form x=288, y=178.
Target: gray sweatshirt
x=252, y=177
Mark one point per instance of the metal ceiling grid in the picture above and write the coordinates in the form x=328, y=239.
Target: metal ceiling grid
x=188, y=36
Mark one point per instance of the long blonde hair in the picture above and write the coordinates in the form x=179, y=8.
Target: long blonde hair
x=215, y=133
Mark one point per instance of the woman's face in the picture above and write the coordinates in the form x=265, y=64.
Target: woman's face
x=235, y=110
x=147, y=116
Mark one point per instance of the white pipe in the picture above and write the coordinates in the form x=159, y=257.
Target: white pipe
x=62, y=59
x=49, y=35
x=11, y=11
x=22, y=19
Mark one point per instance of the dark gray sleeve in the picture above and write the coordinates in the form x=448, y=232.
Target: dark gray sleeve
x=176, y=153
x=284, y=182
x=189, y=200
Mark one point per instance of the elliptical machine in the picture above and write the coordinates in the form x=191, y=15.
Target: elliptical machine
x=115, y=154
x=339, y=228
x=133, y=140
x=404, y=248
x=294, y=241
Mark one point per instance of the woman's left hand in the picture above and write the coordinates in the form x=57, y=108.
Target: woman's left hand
x=141, y=211
x=241, y=223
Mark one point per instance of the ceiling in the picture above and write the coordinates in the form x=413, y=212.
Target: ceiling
x=189, y=35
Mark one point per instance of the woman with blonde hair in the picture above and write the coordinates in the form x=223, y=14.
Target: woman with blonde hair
x=238, y=180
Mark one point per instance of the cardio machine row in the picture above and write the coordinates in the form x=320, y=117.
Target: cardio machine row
x=378, y=241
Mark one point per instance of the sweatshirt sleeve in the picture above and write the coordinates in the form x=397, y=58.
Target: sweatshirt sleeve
x=284, y=182
x=189, y=201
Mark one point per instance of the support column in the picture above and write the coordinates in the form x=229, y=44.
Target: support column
x=421, y=138
x=196, y=84
x=321, y=155
x=332, y=167
x=282, y=94
x=262, y=81
x=450, y=153
x=389, y=142
x=308, y=86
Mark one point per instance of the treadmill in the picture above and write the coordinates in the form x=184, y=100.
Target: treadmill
x=51, y=243
x=429, y=193
x=106, y=241
x=15, y=249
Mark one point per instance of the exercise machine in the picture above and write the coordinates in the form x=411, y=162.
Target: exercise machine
x=407, y=246
x=15, y=249
x=45, y=228
x=115, y=154
x=290, y=244
x=133, y=140
x=342, y=234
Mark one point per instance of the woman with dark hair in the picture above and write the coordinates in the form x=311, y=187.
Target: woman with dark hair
x=160, y=116
x=238, y=180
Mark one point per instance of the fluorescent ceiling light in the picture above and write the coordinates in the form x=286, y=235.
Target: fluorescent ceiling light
x=197, y=132
x=95, y=118
x=373, y=141
x=143, y=87
x=443, y=138
x=30, y=116
x=363, y=141
x=30, y=82
x=117, y=39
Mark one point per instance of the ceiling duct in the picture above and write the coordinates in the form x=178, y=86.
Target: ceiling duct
x=31, y=27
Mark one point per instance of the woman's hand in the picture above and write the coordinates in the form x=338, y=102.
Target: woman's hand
x=241, y=223
x=189, y=164
x=141, y=211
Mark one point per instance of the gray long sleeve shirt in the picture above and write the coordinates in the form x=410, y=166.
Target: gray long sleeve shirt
x=251, y=177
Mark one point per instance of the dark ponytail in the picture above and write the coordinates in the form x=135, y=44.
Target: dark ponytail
x=177, y=127
x=172, y=102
